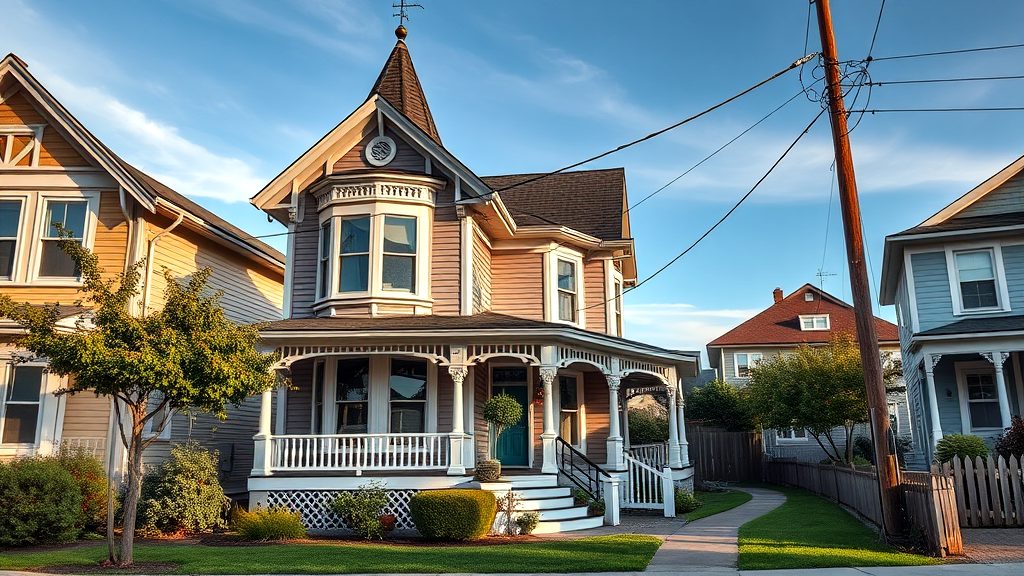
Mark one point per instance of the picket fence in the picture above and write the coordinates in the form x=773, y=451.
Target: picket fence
x=988, y=490
x=929, y=497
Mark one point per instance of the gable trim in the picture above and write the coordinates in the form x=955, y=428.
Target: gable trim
x=977, y=193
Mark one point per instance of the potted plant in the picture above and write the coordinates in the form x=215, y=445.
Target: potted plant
x=500, y=411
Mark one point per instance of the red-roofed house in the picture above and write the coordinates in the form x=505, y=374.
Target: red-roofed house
x=811, y=316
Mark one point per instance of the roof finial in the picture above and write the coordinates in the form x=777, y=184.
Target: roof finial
x=403, y=14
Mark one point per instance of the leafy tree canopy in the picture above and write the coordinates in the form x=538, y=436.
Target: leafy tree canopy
x=720, y=404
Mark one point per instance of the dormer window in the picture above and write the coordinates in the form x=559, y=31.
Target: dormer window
x=815, y=322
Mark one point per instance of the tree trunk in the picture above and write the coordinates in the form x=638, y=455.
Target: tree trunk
x=132, y=493
x=849, y=443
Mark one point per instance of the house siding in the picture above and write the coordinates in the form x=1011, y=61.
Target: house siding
x=595, y=398
x=931, y=290
x=446, y=256
x=518, y=284
x=54, y=150
x=481, y=275
x=304, y=257
x=595, y=295
x=1013, y=263
x=406, y=158
x=1009, y=197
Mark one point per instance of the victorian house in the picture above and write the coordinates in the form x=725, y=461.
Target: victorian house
x=416, y=289
x=55, y=171
x=957, y=280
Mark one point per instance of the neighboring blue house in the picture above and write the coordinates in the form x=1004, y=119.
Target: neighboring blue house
x=957, y=281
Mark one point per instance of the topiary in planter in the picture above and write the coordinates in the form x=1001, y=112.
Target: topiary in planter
x=502, y=411
x=488, y=471
x=453, y=514
x=960, y=446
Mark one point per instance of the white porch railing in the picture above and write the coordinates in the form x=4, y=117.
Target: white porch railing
x=648, y=488
x=655, y=455
x=359, y=452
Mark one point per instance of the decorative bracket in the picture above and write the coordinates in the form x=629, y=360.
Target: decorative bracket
x=995, y=358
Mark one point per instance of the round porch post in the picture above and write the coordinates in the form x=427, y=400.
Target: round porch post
x=673, y=430
x=261, y=463
x=456, y=461
x=684, y=446
x=997, y=358
x=615, y=458
x=930, y=360
x=547, y=437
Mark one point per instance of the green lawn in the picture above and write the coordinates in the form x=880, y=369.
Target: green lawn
x=811, y=532
x=621, y=553
x=715, y=502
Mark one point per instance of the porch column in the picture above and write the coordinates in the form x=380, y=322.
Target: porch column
x=673, y=430
x=930, y=360
x=261, y=456
x=614, y=445
x=547, y=437
x=456, y=458
x=997, y=358
x=684, y=446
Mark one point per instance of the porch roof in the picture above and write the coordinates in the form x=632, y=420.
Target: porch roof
x=978, y=325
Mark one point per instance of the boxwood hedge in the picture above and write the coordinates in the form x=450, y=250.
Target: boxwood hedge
x=453, y=514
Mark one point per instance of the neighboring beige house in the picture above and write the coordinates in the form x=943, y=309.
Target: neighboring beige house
x=52, y=169
x=416, y=290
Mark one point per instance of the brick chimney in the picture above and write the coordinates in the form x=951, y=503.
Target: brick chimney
x=777, y=294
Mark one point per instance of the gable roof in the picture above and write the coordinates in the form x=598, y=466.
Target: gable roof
x=780, y=322
x=589, y=201
x=400, y=86
x=975, y=194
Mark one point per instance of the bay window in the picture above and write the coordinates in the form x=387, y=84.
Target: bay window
x=355, y=254
x=407, y=382
x=398, y=271
x=324, y=263
x=10, y=219
x=352, y=395
x=70, y=215
x=567, y=293
x=19, y=418
x=976, y=278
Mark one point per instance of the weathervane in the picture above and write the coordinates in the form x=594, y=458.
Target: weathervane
x=403, y=10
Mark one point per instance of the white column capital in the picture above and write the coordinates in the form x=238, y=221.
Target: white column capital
x=458, y=373
x=547, y=374
x=614, y=381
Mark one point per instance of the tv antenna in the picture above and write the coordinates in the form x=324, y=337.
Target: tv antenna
x=403, y=10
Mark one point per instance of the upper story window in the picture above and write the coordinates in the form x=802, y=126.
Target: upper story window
x=976, y=276
x=617, y=306
x=399, y=268
x=744, y=361
x=69, y=215
x=815, y=322
x=10, y=220
x=323, y=269
x=567, y=294
x=355, y=254
x=19, y=414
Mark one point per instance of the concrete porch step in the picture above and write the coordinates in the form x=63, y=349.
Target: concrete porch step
x=546, y=503
x=538, y=493
x=570, y=513
x=532, y=481
x=555, y=526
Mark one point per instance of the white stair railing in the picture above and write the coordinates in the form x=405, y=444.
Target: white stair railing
x=655, y=455
x=648, y=488
x=359, y=452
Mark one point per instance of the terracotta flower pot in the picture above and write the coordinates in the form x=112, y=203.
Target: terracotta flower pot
x=388, y=521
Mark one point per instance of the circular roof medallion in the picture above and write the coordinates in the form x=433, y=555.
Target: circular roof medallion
x=381, y=151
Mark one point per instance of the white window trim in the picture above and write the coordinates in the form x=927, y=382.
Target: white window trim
x=427, y=394
x=88, y=235
x=612, y=276
x=779, y=438
x=50, y=406
x=736, y=364
x=378, y=416
x=962, y=369
x=22, y=241
x=812, y=317
x=581, y=406
x=1002, y=293
x=320, y=259
x=551, y=259
x=165, y=434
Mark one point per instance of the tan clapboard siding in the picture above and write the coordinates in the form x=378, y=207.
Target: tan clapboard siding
x=405, y=159
x=86, y=415
x=517, y=286
x=445, y=255
x=536, y=415
x=299, y=417
x=19, y=111
x=594, y=292
x=595, y=399
x=481, y=377
x=481, y=275
x=304, y=255
x=445, y=398
x=54, y=149
x=251, y=293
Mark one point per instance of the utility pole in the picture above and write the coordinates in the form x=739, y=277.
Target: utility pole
x=878, y=405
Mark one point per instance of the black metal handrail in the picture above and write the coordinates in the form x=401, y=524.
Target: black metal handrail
x=579, y=469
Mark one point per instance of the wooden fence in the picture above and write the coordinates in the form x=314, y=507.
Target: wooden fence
x=720, y=455
x=988, y=490
x=930, y=498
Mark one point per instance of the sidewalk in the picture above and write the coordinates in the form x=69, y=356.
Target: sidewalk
x=711, y=545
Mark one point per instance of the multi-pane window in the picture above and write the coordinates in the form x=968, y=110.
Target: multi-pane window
x=982, y=400
x=70, y=216
x=617, y=307
x=791, y=434
x=399, y=265
x=569, y=410
x=355, y=254
x=814, y=322
x=324, y=263
x=160, y=423
x=408, y=385
x=352, y=394
x=567, y=294
x=744, y=362
x=20, y=418
x=10, y=217
x=977, y=278
x=317, y=420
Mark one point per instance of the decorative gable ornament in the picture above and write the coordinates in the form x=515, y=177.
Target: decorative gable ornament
x=381, y=151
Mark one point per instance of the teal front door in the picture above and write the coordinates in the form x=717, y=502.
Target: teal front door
x=512, y=447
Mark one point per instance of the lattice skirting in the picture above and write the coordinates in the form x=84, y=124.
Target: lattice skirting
x=314, y=506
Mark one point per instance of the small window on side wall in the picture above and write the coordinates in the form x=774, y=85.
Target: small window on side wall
x=10, y=218
x=19, y=421
x=745, y=361
x=567, y=291
x=976, y=276
x=69, y=215
x=791, y=435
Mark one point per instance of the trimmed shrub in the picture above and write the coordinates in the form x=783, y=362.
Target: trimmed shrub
x=453, y=514
x=361, y=510
x=686, y=502
x=960, y=446
x=863, y=447
x=87, y=470
x=719, y=404
x=274, y=523
x=488, y=471
x=40, y=503
x=647, y=427
x=527, y=522
x=1011, y=443
x=184, y=494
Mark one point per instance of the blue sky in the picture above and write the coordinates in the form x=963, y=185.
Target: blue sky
x=216, y=97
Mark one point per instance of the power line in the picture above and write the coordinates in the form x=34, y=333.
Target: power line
x=874, y=36
x=992, y=109
x=657, y=133
x=947, y=52
x=720, y=220
x=937, y=80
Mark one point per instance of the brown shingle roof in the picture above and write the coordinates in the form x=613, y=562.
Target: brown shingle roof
x=780, y=322
x=589, y=201
x=399, y=85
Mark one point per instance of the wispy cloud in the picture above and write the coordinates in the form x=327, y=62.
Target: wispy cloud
x=681, y=326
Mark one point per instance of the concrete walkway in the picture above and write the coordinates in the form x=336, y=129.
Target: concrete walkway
x=711, y=545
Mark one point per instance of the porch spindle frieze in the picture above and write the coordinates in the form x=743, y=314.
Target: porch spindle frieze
x=528, y=353
x=438, y=353
x=567, y=355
